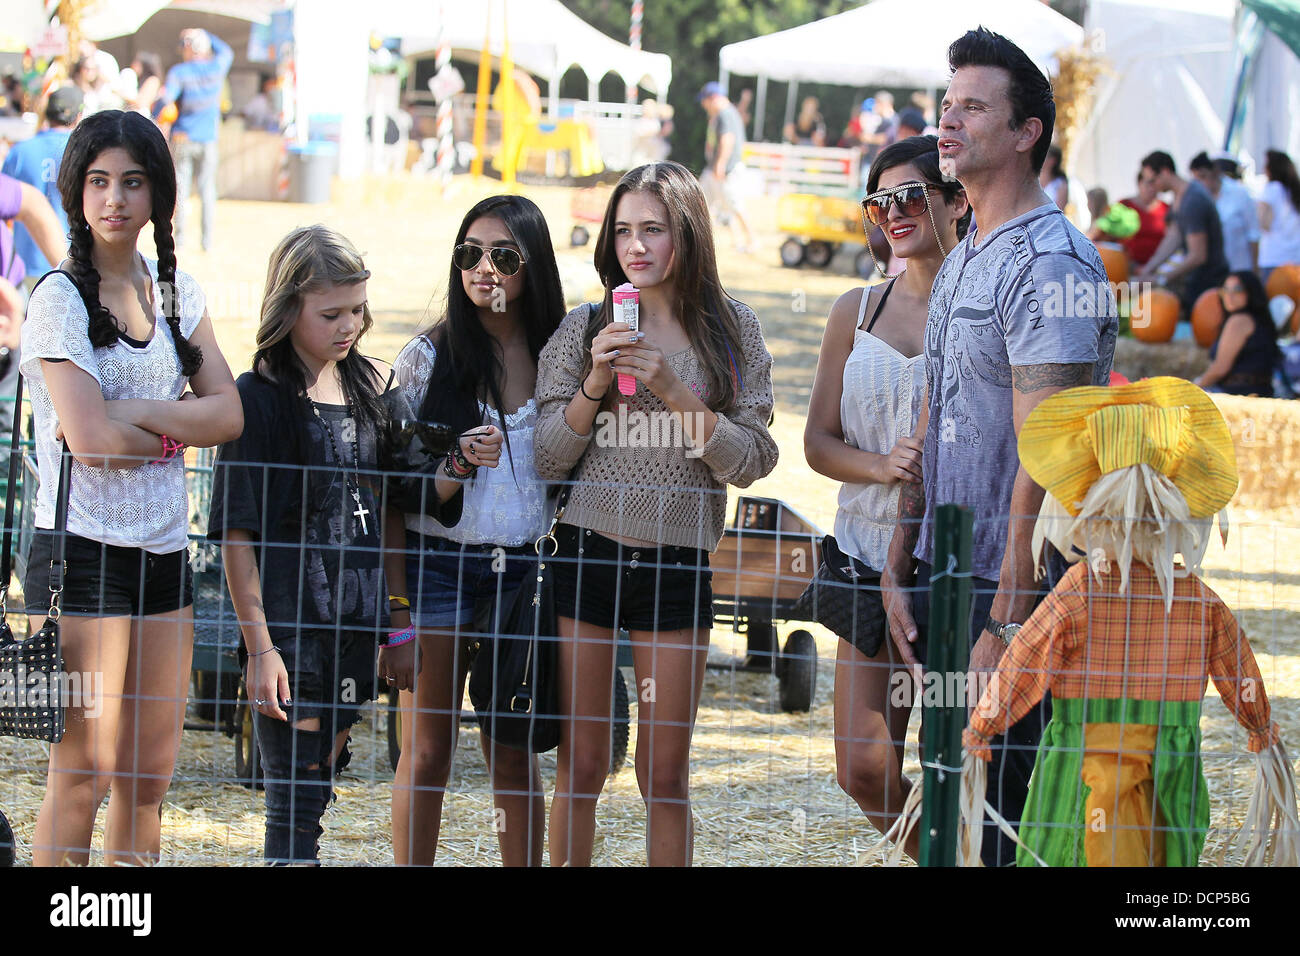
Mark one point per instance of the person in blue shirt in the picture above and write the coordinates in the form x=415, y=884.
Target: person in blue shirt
x=36, y=162
x=195, y=85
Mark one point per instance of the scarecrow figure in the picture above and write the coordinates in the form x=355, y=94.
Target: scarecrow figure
x=1127, y=640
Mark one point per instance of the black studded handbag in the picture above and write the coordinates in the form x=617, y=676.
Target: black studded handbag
x=32, y=680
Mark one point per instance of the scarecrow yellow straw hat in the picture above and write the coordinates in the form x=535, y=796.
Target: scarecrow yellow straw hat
x=1074, y=437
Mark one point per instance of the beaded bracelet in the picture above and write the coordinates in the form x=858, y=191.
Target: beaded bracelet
x=457, y=465
x=398, y=638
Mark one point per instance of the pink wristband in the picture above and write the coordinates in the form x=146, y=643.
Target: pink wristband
x=398, y=638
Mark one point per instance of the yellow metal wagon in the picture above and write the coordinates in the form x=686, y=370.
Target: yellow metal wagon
x=818, y=226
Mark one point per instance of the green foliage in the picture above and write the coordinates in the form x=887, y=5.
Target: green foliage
x=692, y=32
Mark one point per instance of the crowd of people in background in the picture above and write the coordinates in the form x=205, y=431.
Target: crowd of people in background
x=921, y=387
x=1206, y=231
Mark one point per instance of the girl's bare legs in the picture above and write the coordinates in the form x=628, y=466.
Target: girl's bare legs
x=870, y=732
x=430, y=728
x=586, y=680
x=81, y=765
x=669, y=678
x=520, y=803
x=149, y=735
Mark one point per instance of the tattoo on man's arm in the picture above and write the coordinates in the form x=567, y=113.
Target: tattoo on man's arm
x=911, y=509
x=1030, y=378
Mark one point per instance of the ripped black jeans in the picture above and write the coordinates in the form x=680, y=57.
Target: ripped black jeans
x=331, y=677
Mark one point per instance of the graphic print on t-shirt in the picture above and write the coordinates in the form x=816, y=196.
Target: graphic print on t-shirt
x=1033, y=292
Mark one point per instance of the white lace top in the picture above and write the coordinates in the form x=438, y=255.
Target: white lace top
x=880, y=402
x=504, y=505
x=142, y=507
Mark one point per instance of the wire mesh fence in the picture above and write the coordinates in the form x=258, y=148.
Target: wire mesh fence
x=788, y=764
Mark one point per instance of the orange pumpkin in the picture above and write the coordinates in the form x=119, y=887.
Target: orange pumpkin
x=1116, y=262
x=1154, y=315
x=1285, y=280
x=1207, y=318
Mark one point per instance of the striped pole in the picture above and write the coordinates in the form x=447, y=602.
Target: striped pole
x=444, y=164
x=634, y=41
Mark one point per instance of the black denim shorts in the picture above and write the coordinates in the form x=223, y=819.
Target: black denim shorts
x=103, y=580
x=610, y=584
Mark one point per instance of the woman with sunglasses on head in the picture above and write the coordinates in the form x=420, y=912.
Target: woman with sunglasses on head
x=475, y=369
x=866, y=398
x=644, y=514
x=121, y=359
x=1245, y=352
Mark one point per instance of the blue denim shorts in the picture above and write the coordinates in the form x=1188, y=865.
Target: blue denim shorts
x=447, y=580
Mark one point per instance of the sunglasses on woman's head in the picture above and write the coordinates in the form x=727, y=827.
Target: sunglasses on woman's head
x=505, y=260
x=911, y=199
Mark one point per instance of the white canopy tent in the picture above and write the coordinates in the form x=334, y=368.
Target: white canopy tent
x=1171, y=69
x=912, y=51
x=546, y=39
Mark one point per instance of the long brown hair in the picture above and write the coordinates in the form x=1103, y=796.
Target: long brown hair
x=705, y=311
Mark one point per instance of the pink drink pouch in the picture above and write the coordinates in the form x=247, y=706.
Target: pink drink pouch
x=627, y=309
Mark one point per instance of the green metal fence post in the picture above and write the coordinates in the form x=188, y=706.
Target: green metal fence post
x=943, y=712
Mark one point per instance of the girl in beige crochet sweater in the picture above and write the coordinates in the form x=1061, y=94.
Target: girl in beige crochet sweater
x=649, y=476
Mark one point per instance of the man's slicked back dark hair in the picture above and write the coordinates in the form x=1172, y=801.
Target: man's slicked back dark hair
x=1029, y=90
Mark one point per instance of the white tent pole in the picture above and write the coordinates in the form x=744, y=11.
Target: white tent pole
x=760, y=108
x=791, y=92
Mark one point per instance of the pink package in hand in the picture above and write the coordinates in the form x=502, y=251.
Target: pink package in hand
x=627, y=309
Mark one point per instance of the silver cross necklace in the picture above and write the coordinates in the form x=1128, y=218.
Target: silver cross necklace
x=352, y=485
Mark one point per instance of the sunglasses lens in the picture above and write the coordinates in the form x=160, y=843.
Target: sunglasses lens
x=465, y=256
x=506, y=261
x=877, y=210
x=911, y=201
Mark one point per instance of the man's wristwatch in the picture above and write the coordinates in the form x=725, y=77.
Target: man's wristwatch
x=1005, y=633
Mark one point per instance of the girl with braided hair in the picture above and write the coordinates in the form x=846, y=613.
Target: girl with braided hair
x=124, y=371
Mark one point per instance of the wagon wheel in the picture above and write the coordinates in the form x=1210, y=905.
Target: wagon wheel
x=215, y=695
x=620, y=726
x=579, y=236
x=792, y=253
x=865, y=265
x=248, y=761
x=819, y=254
x=394, y=730
x=797, y=674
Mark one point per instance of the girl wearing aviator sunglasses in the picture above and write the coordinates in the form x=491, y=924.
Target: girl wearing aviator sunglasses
x=869, y=389
x=475, y=369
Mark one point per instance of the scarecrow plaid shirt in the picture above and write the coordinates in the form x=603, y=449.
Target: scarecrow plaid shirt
x=1088, y=641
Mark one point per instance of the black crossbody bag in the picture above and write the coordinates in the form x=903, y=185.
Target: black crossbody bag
x=513, y=681
x=32, y=680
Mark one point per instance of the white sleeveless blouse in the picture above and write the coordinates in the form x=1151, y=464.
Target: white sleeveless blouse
x=879, y=404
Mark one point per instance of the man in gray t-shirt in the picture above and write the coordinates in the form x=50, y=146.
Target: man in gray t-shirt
x=1019, y=310
x=1033, y=292
x=1194, y=227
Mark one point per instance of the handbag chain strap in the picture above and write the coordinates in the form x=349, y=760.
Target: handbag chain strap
x=57, y=563
x=561, y=500
x=15, y=464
